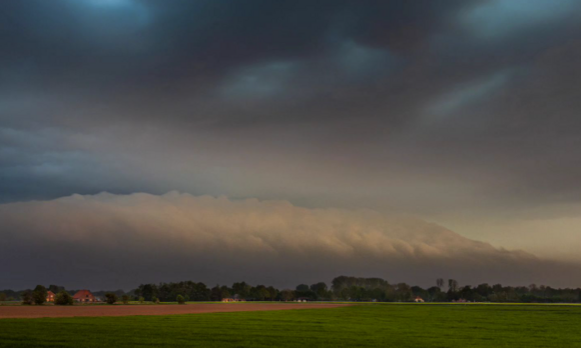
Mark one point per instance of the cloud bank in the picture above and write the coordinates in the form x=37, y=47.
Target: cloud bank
x=109, y=240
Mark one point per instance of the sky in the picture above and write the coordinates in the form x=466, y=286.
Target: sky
x=282, y=142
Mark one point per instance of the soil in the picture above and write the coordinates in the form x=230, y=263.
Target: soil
x=49, y=311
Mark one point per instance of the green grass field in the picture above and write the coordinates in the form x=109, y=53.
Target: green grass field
x=373, y=325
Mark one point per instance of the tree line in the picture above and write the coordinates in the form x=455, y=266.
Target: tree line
x=12, y=295
x=343, y=288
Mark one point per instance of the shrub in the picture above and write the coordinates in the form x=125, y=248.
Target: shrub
x=125, y=299
x=180, y=299
x=26, y=297
x=2, y=297
x=39, y=294
x=155, y=300
x=110, y=298
x=63, y=298
x=141, y=299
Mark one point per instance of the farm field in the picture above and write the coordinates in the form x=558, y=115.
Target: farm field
x=372, y=325
x=102, y=310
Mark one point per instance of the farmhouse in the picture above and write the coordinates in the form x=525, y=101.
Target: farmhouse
x=50, y=296
x=228, y=299
x=418, y=299
x=84, y=296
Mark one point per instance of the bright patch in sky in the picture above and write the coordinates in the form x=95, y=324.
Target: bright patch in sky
x=110, y=3
x=260, y=81
x=466, y=95
x=497, y=18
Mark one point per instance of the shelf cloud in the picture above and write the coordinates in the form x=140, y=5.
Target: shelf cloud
x=78, y=240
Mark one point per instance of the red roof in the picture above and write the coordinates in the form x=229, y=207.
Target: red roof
x=48, y=293
x=83, y=294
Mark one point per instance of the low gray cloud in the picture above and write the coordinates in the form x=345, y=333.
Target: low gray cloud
x=109, y=240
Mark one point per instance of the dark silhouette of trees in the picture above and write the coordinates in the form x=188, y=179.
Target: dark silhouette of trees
x=63, y=298
x=56, y=288
x=453, y=285
x=287, y=295
x=320, y=290
x=39, y=294
x=343, y=288
x=110, y=298
x=241, y=290
x=440, y=283
x=26, y=297
x=216, y=294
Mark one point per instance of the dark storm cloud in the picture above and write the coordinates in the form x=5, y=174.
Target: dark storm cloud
x=376, y=69
x=420, y=107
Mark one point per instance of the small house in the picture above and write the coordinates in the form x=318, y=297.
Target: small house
x=50, y=296
x=418, y=299
x=84, y=296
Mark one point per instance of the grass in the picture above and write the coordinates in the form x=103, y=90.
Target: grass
x=372, y=325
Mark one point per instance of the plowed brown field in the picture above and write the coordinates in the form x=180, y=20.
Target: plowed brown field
x=121, y=310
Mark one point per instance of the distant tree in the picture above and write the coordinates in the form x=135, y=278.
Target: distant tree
x=39, y=294
x=403, y=292
x=273, y=293
x=483, y=290
x=63, y=298
x=302, y=287
x=344, y=294
x=216, y=294
x=148, y=291
x=320, y=290
x=26, y=297
x=241, y=289
x=225, y=292
x=302, y=290
x=141, y=299
x=55, y=288
x=440, y=283
x=434, y=293
x=110, y=298
x=287, y=295
x=260, y=293
x=155, y=300
x=467, y=293
x=2, y=297
x=453, y=285
x=125, y=299
x=180, y=299
x=263, y=293
x=420, y=292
